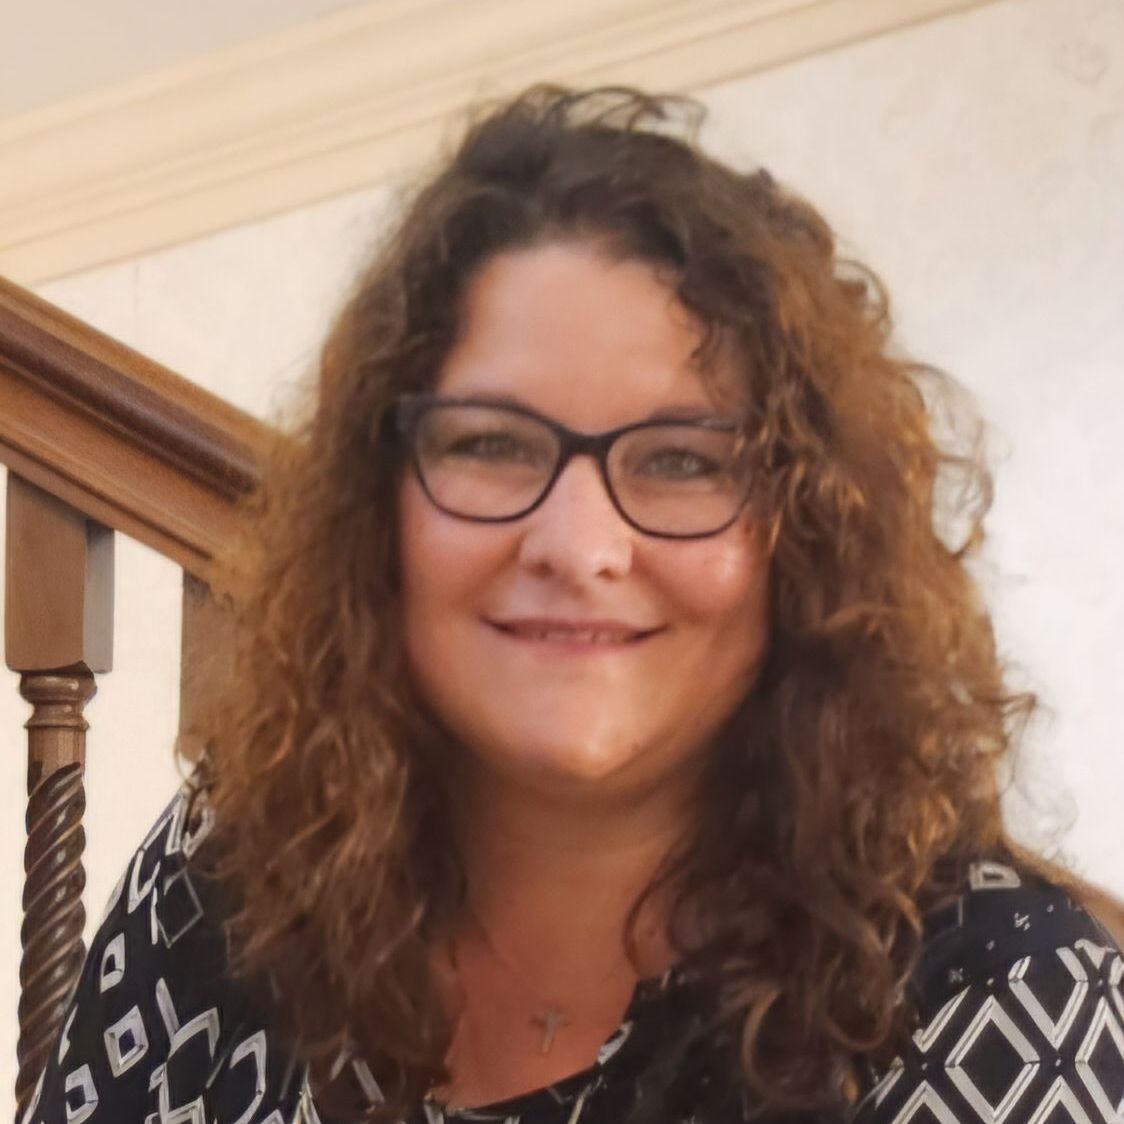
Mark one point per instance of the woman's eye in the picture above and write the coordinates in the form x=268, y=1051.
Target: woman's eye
x=677, y=464
x=504, y=447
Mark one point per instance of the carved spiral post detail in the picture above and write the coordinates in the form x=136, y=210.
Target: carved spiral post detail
x=52, y=899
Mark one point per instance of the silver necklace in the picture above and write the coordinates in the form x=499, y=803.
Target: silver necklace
x=550, y=1017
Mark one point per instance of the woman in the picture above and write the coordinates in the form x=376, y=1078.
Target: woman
x=614, y=727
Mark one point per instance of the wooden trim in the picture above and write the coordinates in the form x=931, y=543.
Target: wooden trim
x=352, y=99
x=119, y=437
x=59, y=587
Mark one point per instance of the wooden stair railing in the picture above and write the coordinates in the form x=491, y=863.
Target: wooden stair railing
x=97, y=439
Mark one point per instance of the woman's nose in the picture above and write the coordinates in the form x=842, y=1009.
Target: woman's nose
x=577, y=532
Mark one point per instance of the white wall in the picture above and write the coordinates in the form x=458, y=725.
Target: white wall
x=114, y=40
x=976, y=162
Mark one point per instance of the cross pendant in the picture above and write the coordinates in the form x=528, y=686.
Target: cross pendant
x=551, y=1021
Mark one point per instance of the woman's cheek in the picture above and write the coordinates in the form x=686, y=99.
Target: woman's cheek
x=715, y=578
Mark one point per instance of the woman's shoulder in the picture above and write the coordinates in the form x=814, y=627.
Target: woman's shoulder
x=164, y=910
x=1002, y=915
x=166, y=896
x=1019, y=1010
x=157, y=1028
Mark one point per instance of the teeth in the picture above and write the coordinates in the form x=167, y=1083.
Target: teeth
x=577, y=636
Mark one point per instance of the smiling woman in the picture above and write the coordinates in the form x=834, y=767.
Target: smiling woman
x=598, y=596
x=616, y=722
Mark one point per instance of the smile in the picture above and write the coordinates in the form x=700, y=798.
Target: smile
x=594, y=635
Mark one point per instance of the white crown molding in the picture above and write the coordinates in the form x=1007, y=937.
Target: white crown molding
x=353, y=99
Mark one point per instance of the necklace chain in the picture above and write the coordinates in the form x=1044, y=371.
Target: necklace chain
x=550, y=1017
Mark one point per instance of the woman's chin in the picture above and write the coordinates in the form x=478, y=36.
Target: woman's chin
x=566, y=767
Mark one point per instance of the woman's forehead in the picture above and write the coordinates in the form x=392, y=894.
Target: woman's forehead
x=563, y=326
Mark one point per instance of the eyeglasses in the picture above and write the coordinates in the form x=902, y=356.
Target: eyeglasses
x=494, y=463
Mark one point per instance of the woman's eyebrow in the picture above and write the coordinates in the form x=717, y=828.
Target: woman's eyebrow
x=493, y=398
x=686, y=411
x=693, y=412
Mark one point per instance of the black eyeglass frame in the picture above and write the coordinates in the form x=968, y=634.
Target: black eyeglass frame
x=409, y=409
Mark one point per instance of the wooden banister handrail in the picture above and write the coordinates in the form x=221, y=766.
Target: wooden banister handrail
x=98, y=438
x=119, y=437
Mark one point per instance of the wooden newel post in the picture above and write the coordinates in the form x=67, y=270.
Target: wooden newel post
x=58, y=633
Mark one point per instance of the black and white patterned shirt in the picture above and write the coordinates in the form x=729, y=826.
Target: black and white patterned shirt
x=1019, y=994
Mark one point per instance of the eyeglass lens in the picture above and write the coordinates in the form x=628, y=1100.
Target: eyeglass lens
x=485, y=462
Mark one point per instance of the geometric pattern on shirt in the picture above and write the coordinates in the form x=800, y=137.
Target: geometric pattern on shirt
x=1022, y=1019
x=1040, y=1043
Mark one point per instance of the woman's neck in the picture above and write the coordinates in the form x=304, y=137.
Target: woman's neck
x=552, y=879
x=541, y=976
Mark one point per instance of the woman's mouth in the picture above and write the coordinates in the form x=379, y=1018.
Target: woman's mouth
x=579, y=634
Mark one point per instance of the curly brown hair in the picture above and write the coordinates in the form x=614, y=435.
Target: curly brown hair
x=862, y=763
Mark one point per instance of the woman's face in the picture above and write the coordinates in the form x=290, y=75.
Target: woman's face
x=594, y=344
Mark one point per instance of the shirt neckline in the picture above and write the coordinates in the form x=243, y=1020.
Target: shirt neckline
x=567, y=1090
